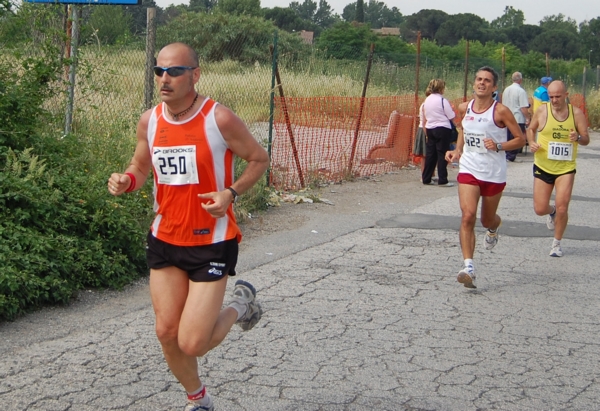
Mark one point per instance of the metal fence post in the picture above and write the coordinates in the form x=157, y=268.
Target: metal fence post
x=272, y=102
x=150, y=48
x=72, y=69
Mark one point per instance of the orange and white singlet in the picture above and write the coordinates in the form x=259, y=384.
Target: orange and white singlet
x=189, y=157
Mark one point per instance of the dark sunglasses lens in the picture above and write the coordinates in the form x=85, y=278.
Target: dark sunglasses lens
x=171, y=71
x=175, y=71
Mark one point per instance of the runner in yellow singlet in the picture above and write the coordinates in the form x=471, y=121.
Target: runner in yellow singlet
x=560, y=128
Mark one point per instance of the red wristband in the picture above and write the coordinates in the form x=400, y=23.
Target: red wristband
x=133, y=182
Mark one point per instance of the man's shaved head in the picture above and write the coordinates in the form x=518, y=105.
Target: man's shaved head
x=190, y=54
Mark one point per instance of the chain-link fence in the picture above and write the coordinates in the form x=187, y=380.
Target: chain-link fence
x=323, y=116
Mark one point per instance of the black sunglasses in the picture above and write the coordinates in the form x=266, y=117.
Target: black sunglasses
x=174, y=71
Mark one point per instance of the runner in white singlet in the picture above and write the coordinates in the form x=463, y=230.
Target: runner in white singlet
x=482, y=174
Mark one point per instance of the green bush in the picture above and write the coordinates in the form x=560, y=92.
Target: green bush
x=60, y=230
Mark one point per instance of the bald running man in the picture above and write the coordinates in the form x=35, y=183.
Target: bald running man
x=560, y=128
x=189, y=142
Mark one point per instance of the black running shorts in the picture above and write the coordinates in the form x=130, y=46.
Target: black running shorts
x=203, y=263
x=547, y=177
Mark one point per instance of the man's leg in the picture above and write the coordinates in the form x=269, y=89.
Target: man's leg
x=189, y=321
x=468, y=196
x=564, y=189
x=489, y=206
x=541, y=197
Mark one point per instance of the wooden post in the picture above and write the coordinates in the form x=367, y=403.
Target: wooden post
x=360, y=110
x=288, y=122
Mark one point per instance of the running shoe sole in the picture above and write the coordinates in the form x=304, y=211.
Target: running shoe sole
x=465, y=279
x=248, y=324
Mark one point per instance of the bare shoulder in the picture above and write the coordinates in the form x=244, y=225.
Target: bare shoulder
x=145, y=118
x=577, y=111
x=228, y=122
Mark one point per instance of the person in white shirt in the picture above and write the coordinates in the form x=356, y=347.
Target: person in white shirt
x=438, y=116
x=515, y=98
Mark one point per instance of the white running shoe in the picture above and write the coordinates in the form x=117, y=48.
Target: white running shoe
x=491, y=239
x=466, y=276
x=556, y=251
x=193, y=406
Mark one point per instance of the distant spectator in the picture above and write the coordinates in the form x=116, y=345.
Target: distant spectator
x=540, y=95
x=515, y=98
x=420, y=138
x=438, y=115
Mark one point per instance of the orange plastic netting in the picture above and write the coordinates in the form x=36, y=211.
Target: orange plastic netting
x=326, y=139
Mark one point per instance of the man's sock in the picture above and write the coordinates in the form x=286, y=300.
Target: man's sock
x=240, y=308
x=468, y=262
x=199, y=396
x=555, y=242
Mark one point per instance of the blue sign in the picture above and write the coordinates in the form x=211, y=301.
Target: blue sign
x=90, y=2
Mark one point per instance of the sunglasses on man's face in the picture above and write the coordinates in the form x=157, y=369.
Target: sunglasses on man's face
x=174, y=71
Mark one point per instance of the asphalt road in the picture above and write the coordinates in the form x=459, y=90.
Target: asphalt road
x=362, y=312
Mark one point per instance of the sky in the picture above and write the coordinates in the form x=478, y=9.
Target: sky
x=578, y=10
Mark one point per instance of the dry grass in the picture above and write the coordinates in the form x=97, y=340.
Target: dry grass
x=593, y=108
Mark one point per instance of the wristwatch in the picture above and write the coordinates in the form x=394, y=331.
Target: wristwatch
x=498, y=147
x=234, y=193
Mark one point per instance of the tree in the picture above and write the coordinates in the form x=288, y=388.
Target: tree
x=108, y=24
x=510, y=18
x=324, y=16
x=461, y=26
x=346, y=40
x=379, y=15
x=240, y=7
x=559, y=22
x=287, y=19
x=559, y=44
x=589, y=33
x=218, y=37
x=522, y=36
x=360, y=11
x=138, y=16
x=376, y=13
x=202, y=6
x=320, y=14
x=305, y=10
x=427, y=22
